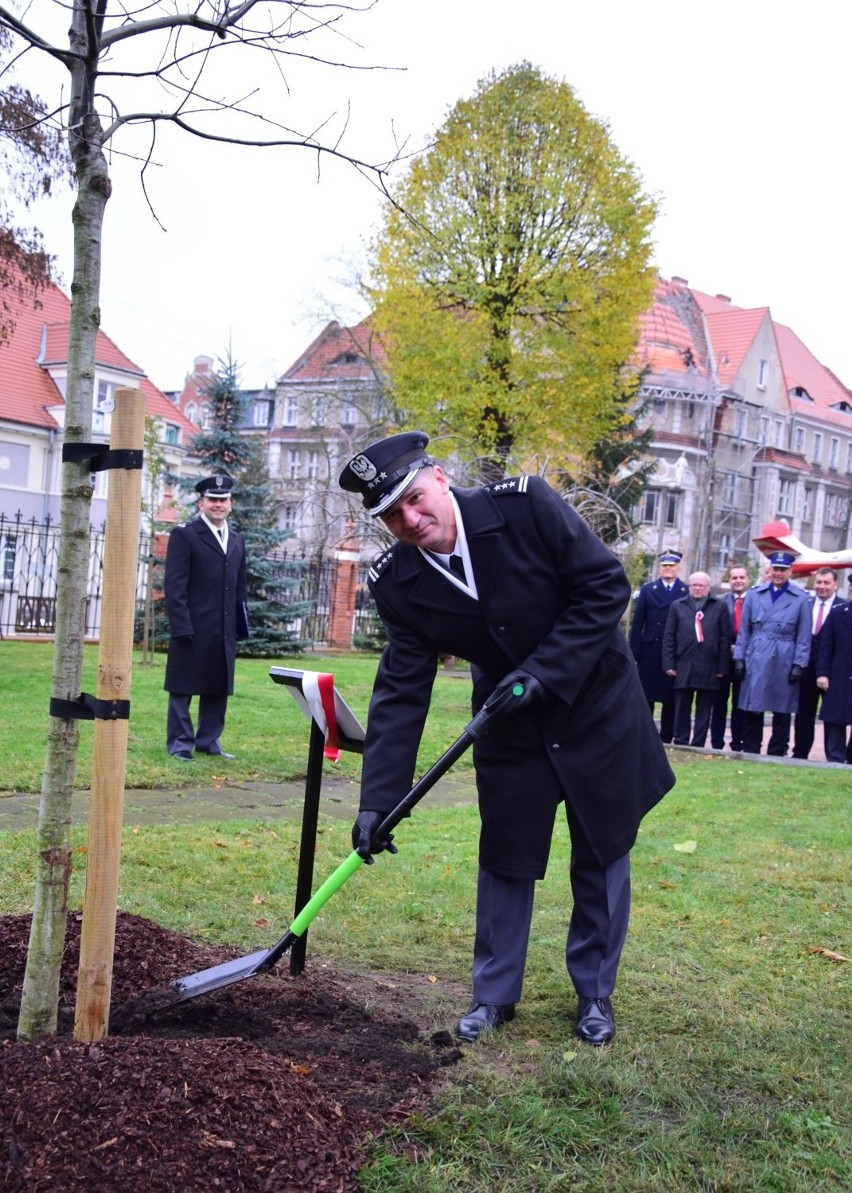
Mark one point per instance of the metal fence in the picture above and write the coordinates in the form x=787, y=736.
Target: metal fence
x=29, y=565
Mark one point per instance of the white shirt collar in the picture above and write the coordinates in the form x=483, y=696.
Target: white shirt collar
x=442, y=562
x=224, y=539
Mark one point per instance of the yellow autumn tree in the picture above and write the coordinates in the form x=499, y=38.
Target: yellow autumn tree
x=510, y=272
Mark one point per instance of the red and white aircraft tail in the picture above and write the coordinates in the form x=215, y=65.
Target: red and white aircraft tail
x=776, y=536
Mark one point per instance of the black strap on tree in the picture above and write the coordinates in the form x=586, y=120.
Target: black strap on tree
x=89, y=708
x=101, y=456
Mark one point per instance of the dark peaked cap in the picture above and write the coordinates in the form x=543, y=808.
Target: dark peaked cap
x=383, y=471
x=216, y=486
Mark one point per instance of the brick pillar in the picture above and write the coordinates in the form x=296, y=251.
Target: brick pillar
x=344, y=586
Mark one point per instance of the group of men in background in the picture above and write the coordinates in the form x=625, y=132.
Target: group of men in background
x=771, y=647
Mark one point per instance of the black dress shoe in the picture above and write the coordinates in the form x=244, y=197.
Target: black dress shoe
x=182, y=757
x=217, y=754
x=595, y=1021
x=484, y=1017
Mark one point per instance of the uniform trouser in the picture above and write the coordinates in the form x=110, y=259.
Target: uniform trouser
x=805, y=722
x=779, y=739
x=666, y=718
x=835, y=742
x=683, y=709
x=181, y=737
x=729, y=686
x=596, y=931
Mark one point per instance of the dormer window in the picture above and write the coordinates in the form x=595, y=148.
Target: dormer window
x=843, y=407
x=347, y=358
x=799, y=391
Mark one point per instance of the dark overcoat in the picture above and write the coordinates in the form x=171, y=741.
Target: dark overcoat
x=205, y=592
x=647, y=628
x=773, y=636
x=550, y=600
x=698, y=664
x=834, y=659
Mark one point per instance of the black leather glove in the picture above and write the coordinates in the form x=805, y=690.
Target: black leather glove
x=362, y=836
x=739, y=668
x=534, y=692
x=796, y=673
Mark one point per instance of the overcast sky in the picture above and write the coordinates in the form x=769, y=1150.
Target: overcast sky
x=735, y=113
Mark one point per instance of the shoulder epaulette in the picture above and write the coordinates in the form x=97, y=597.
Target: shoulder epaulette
x=379, y=566
x=511, y=484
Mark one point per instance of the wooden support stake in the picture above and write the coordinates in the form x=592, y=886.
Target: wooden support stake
x=109, y=767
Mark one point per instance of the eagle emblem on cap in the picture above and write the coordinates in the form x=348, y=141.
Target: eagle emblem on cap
x=220, y=480
x=363, y=467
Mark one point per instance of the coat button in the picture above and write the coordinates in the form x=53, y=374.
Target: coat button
x=501, y=629
x=555, y=746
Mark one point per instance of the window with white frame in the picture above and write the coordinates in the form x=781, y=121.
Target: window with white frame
x=291, y=410
x=313, y=465
x=849, y=456
x=800, y=440
x=729, y=490
x=293, y=464
x=191, y=412
x=808, y=506
x=833, y=453
x=817, y=454
x=785, y=497
x=726, y=550
x=104, y=396
x=320, y=410
x=290, y=516
x=650, y=506
x=741, y=424
x=260, y=414
x=762, y=374
x=206, y=417
x=672, y=507
x=779, y=432
x=835, y=509
x=171, y=435
x=349, y=416
x=764, y=429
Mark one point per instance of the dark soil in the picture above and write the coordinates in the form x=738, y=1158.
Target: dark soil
x=276, y=1083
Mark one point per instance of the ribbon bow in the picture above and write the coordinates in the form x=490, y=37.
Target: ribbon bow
x=699, y=629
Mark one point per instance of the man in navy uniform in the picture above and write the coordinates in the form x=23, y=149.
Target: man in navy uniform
x=646, y=637
x=509, y=577
x=205, y=591
x=771, y=654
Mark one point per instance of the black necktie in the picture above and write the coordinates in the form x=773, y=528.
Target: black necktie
x=457, y=568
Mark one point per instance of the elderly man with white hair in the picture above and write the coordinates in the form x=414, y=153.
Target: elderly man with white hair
x=697, y=655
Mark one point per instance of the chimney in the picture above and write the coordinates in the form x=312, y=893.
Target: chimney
x=680, y=281
x=724, y=297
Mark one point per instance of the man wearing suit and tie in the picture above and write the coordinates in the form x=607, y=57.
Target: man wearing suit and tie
x=729, y=686
x=834, y=680
x=205, y=591
x=646, y=637
x=825, y=595
x=537, y=604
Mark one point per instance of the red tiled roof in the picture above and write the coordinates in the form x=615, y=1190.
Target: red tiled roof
x=325, y=359
x=732, y=333
x=803, y=370
x=40, y=339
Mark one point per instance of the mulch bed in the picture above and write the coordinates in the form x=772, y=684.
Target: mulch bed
x=273, y=1084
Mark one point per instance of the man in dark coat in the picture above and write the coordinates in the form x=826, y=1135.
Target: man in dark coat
x=509, y=577
x=821, y=604
x=697, y=655
x=772, y=651
x=205, y=591
x=646, y=637
x=729, y=686
x=834, y=679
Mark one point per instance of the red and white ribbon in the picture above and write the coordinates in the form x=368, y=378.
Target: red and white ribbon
x=699, y=629
x=318, y=690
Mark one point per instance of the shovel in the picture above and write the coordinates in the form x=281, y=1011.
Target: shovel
x=218, y=976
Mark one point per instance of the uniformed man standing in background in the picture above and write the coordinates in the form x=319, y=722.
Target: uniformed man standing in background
x=647, y=628
x=205, y=591
x=510, y=578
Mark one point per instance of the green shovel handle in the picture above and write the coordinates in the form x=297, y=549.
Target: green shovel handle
x=323, y=893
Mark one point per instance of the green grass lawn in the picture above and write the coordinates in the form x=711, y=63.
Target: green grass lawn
x=731, y=1068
